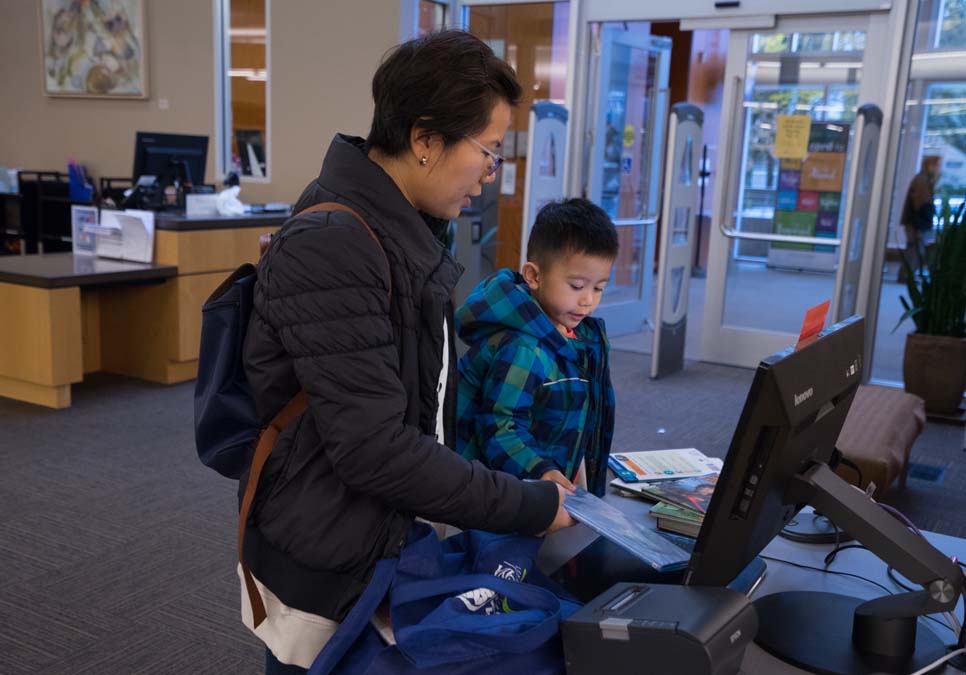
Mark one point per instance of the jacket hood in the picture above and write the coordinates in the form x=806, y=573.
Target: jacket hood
x=503, y=302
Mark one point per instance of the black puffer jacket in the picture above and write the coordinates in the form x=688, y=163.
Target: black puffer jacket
x=344, y=482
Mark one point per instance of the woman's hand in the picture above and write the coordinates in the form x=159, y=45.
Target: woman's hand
x=559, y=479
x=562, y=519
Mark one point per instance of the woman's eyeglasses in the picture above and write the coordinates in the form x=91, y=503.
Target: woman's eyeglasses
x=497, y=160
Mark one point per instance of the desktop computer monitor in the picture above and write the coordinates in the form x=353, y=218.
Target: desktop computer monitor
x=791, y=419
x=777, y=463
x=170, y=156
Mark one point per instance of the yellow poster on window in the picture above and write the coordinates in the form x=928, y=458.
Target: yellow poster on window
x=791, y=138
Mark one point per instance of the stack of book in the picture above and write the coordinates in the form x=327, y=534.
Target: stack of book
x=681, y=502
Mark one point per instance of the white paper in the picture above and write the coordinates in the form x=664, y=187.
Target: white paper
x=127, y=235
x=109, y=236
x=508, y=179
x=201, y=205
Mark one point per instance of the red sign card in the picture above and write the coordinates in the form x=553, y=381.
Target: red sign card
x=813, y=323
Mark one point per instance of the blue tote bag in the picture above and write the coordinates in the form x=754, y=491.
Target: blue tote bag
x=467, y=605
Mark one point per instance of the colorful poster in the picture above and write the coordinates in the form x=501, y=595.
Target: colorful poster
x=797, y=223
x=823, y=172
x=787, y=200
x=827, y=222
x=788, y=180
x=815, y=179
x=793, y=136
x=829, y=137
x=829, y=201
x=807, y=201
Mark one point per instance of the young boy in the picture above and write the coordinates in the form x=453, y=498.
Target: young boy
x=535, y=397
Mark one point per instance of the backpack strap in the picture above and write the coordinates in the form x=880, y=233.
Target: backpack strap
x=266, y=439
x=336, y=206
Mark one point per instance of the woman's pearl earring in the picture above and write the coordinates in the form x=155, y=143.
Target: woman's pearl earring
x=423, y=161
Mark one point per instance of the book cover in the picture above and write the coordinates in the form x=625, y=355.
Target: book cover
x=633, y=537
x=689, y=493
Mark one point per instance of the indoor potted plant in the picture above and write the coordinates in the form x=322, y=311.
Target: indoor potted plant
x=934, y=364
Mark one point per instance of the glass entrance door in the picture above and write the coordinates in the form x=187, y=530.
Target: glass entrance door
x=789, y=123
x=626, y=117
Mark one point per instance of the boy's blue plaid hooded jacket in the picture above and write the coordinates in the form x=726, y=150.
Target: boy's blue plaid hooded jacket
x=531, y=400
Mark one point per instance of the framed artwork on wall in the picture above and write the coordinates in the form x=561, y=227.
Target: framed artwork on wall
x=94, y=48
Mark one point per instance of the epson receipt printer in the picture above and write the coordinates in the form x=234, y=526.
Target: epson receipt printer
x=660, y=630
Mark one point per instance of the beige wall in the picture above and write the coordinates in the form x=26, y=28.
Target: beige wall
x=323, y=55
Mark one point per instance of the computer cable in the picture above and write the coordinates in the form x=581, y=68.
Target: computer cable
x=899, y=515
x=938, y=662
x=852, y=465
x=825, y=571
x=830, y=558
x=833, y=536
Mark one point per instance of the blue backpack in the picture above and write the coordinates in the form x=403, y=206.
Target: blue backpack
x=227, y=427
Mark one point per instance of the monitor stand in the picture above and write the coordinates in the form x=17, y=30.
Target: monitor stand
x=813, y=631
x=838, y=634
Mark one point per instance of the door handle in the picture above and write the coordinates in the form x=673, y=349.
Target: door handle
x=732, y=233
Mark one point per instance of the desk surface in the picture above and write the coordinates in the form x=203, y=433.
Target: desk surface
x=182, y=223
x=62, y=270
x=780, y=576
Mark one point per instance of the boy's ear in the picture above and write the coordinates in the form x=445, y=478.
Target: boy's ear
x=531, y=274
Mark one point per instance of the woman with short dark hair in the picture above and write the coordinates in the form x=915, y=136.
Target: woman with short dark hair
x=357, y=314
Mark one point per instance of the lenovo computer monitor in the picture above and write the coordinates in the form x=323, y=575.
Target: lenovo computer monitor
x=791, y=419
x=777, y=463
x=170, y=157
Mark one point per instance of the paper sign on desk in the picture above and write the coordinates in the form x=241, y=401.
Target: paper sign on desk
x=83, y=221
x=201, y=205
x=126, y=235
x=791, y=138
x=813, y=324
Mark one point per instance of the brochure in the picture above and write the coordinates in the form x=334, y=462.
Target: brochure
x=633, y=537
x=83, y=221
x=656, y=465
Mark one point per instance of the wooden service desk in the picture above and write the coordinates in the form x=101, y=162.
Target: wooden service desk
x=69, y=315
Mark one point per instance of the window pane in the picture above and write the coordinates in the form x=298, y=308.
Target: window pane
x=432, y=17
x=532, y=38
x=246, y=88
x=932, y=153
x=952, y=30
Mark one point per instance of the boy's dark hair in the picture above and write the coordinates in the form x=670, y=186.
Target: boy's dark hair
x=571, y=226
x=446, y=83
